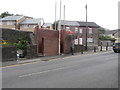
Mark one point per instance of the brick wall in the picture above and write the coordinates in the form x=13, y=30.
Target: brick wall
x=47, y=41
x=66, y=41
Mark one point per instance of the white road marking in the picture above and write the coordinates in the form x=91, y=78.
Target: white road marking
x=40, y=72
x=47, y=71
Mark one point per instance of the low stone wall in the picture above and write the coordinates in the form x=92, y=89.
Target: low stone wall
x=31, y=51
x=13, y=36
x=8, y=53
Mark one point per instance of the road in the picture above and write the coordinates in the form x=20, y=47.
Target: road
x=99, y=70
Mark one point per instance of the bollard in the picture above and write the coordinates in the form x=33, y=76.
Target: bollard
x=82, y=50
x=101, y=47
x=94, y=49
x=107, y=47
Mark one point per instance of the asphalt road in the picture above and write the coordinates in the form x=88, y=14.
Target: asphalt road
x=99, y=70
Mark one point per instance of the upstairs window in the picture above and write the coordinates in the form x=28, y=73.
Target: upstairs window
x=34, y=26
x=25, y=26
x=67, y=28
x=76, y=30
x=80, y=31
x=0, y=22
x=9, y=23
x=90, y=31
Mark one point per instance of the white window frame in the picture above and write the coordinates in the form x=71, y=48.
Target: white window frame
x=90, y=30
x=90, y=40
x=9, y=22
x=1, y=23
x=25, y=26
x=76, y=29
x=76, y=41
x=34, y=26
x=81, y=41
x=80, y=30
x=67, y=28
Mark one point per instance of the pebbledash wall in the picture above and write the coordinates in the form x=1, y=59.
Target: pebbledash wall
x=12, y=36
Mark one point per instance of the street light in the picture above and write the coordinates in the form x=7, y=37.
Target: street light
x=86, y=28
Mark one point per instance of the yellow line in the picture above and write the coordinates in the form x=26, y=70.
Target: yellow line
x=20, y=64
x=49, y=60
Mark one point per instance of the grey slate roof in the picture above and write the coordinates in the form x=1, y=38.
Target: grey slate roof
x=47, y=24
x=89, y=24
x=69, y=23
x=79, y=23
x=11, y=18
x=107, y=32
x=32, y=21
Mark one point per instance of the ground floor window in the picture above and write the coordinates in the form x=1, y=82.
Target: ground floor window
x=90, y=40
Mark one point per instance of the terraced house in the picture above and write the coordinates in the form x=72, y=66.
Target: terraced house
x=11, y=22
x=79, y=29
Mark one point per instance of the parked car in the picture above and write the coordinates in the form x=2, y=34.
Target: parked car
x=116, y=47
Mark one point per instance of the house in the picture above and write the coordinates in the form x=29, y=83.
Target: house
x=114, y=34
x=47, y=26
x=79, y=29
x=29, y=24
x=11, y=22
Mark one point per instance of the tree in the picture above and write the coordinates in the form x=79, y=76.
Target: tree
x=4, y=14
x=56, y=25
x=103, y=37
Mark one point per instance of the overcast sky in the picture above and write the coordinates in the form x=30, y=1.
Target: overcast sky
x=102, y=12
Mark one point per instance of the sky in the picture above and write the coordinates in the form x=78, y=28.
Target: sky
x=102, y=12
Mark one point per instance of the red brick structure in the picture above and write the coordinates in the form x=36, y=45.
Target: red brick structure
x=47, y=41
x=63, y=41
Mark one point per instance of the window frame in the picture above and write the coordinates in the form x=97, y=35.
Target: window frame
x=9, y=22
x=80, y=43
x=1, y=23
x=90, y=31
x=76, y=29
x=26, y=26
x=80, y=30
x=90, y=40
x=66, y=28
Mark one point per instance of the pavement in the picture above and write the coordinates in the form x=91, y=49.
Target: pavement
x=47, y=58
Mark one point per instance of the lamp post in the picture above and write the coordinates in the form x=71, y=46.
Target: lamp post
x=86, y=28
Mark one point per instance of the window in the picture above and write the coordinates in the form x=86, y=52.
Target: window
x=25, y=26
x=34, y=26
x=67, y=28
x=90, y=31
x=76, y=30
x=81, y=41
x=80, y=31
x=9, y=23
x=90, y=40
x=0, y=22
x=76, y=41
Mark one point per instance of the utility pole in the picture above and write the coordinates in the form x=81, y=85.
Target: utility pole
x=64, y=18
x=59, y=25
x=86, y=28
x=55, y=13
